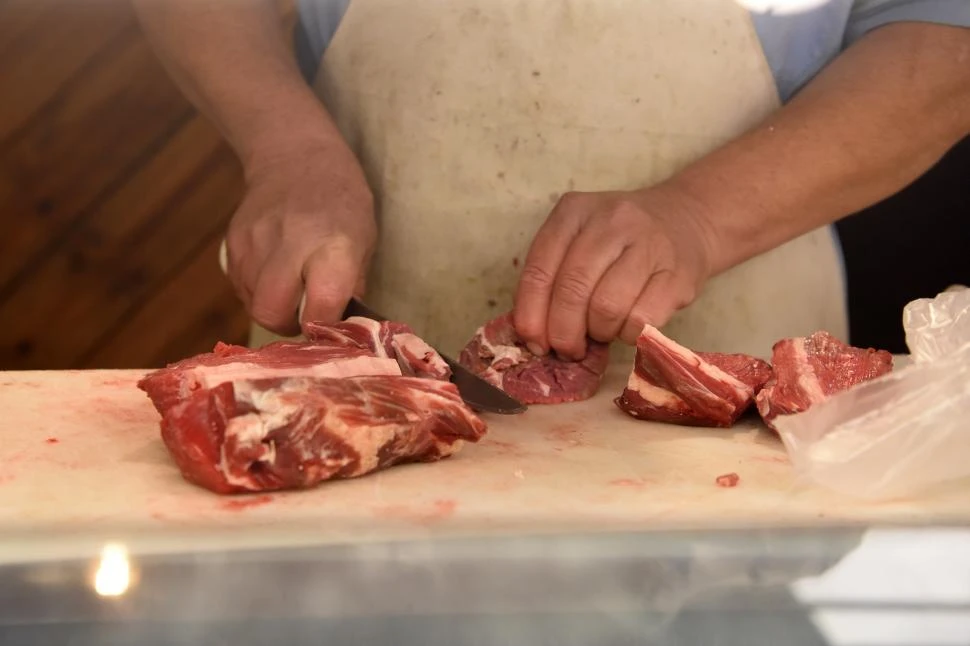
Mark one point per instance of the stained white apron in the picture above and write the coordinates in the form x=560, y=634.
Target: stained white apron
x=472, y=117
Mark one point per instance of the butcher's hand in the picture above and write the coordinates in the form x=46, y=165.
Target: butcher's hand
x=305, y=222
x=604, y=264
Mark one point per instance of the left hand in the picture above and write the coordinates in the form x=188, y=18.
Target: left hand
x=604, y=264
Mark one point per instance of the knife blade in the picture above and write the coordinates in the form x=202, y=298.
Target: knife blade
x=475, y=391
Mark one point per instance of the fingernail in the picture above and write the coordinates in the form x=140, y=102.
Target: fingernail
x=535, y=349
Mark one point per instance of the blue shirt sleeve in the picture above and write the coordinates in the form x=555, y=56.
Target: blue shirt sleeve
x=797, y=41
x=869, y=14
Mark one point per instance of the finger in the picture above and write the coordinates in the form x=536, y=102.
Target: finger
x=277, y=294
x=534, y=292
x=616, y=294
x=590, y=255
x=331, y=275
x=242, y=267
x=660, y=299
x=360, y=290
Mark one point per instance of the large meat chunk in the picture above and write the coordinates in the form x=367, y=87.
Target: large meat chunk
x=285, y=433
x=672, y=384
x=810, y=369
x=357, y=346
x=498, y=355
x=356, y=397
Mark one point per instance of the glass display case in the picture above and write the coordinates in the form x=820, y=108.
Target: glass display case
x=836, y=586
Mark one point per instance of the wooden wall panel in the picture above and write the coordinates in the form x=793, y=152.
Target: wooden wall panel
x=114, y=195
x=115, y=259
x=207, y=310
x=43, y=46
x=83, y=146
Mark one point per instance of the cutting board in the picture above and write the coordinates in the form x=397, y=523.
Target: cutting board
x=83, y=458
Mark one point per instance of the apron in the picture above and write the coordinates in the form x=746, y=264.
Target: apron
x=472, y=117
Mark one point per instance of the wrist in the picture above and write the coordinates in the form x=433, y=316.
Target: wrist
x=286, y=131
x=276, y=149
x=690, y=212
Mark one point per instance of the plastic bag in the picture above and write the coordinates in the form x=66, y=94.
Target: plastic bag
x=939, y=327
x=904, y=432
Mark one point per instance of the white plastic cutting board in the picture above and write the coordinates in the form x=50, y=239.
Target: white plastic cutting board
x=83, y=457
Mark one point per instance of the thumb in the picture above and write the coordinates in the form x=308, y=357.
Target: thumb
x=277, y=294
x=331, y=275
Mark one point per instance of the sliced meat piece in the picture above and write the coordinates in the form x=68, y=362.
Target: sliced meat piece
x=808, y=370
x=672, y=384
x=387, y=339
x=357, y=346
x=499, y=356
x=293, y=433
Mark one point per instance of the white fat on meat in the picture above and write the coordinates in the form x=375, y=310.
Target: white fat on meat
x=212, y=376
x=657, y=396
x=512, y=353
x=278, y=408
x=252, y=428
x=374, y=328
x=691, y=358
x=406, y=344
x=807, y=379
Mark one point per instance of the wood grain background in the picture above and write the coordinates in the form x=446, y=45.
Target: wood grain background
x=115, y=195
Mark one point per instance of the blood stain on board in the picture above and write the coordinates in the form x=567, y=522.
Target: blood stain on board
x=505, y=448
x=635, y=483
x=775, y=459
x=52, y=440
x=515, y=261
x=444, y=508
x=241, y=504
x=727, y=480
x=566, y=434
x=125, y=383
x=20, y=384
x=437, y=511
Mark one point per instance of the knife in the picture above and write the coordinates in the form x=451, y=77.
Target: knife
x=477, y=393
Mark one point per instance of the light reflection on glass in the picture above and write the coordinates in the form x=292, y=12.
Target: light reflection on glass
x=114, y=571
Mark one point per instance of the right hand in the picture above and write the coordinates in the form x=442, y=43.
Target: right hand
x=307, y=219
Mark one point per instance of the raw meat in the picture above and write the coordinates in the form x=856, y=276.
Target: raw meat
x=672, y=384
x=357, y=346
x=294, y=432
x=387, y=339
x=810, y=369
x=498, y=355
x=358, y=396
x=727, y=480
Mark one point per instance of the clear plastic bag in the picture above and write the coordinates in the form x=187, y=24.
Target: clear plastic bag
x=902, y=433
x=939, y=327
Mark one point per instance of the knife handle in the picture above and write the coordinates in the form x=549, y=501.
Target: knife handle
x=356, y=308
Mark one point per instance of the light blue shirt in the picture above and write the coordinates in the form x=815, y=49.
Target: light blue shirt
x=797, y=41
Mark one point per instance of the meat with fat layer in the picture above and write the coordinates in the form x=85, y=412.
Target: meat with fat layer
x=499, y=356
x=293, y=433
x=357, y=346
x=358, y=396
x=670, y=383
x=808, y=370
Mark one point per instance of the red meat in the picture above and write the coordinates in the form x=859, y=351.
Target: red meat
x=498, y=355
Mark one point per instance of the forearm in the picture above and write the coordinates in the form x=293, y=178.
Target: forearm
x=232, y=61
x=872, y=122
